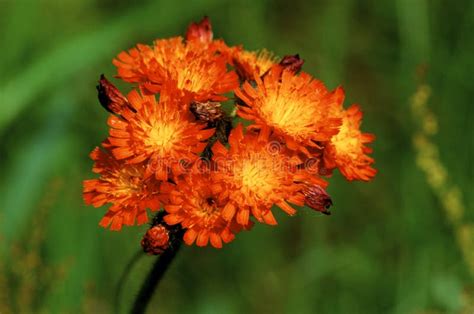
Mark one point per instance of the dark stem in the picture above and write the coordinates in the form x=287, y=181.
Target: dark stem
x=153, y=278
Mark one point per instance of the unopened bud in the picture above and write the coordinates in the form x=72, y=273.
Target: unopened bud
x=317, y=198
x=110, y=97
x=201, y=31
x=156, y=240
x=292, y=63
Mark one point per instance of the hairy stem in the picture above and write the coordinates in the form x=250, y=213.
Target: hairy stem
x=153, y=278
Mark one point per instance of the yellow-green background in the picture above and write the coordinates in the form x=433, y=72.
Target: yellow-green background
x=389, y=247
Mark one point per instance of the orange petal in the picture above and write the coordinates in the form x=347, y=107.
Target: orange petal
x=286, y=208
x=203, y=238
x=216, y=240
x=243, y=216
x=228, y=212
x=190, y=236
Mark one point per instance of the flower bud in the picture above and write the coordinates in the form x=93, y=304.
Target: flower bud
x=292, y=63
x=110, y=97
x=156, y=240
x=317, y=198
x=201, y=31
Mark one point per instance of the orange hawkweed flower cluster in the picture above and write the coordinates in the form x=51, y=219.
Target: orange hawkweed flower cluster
x=173, y=149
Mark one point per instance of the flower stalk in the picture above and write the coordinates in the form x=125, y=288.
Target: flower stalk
x=153, y=278
x=164, y=241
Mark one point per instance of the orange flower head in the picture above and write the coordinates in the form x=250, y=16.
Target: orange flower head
x=159, y=133
x=197, y=66
x=260, y=173
x=124, y=186
x=251, y=64
x=196, y=202
x=172, y=142
x=347, y=149
x=135, y=64
x=297, y=108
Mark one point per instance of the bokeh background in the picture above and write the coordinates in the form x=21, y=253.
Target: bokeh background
x=400, y=244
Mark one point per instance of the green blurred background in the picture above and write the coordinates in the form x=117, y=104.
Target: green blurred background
x=400, y=244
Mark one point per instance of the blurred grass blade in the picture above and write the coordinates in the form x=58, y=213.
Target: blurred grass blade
x=85, y=50
x=31, y=166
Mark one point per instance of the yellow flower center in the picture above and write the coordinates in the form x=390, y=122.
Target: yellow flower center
x=289, y=113
x=184, y=64
x=258, y=177
x=190, y=78
x=347, y=141
x=163, y=136
x=207, y=211
x=129, y=181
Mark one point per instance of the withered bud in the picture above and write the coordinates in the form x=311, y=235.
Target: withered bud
x=244, y=72
x=201, y=31
x=292, y=63
x=317, y=198
x=209, y=112
x=110, y=97
x=156, y=240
